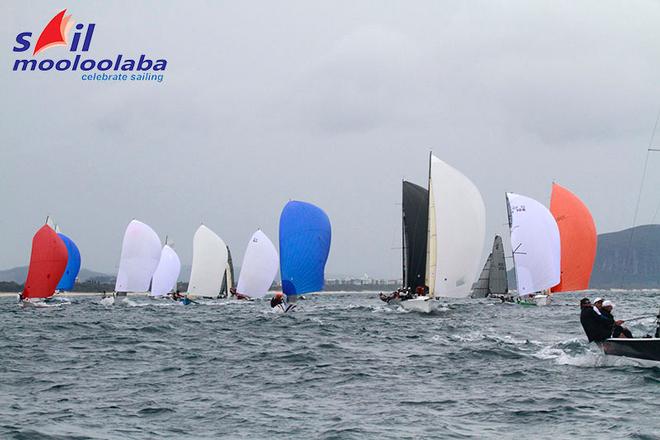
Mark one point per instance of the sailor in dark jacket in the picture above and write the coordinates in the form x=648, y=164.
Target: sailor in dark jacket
x=597, y=327
x=618, y=330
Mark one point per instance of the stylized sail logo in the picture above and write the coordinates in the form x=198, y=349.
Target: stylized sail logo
x=55, y=33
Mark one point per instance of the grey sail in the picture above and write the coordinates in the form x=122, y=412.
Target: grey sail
x=480, y=289
x=228, y=278
x=497, y=280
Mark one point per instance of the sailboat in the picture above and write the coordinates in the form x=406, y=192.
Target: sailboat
x=228, y=282
x=577, y=234
x=167, y=272
x=454, y=237
x=305, y=236
x=493, y=278
x=536, y=246
x=48, y=262
x=72, y=266
x=259, y=268
x=140, y=255
x=209, y=264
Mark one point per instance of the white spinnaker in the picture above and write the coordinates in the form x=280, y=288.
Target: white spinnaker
x=140, y=254
x=167, y=272
x=208, y=264
x=535, y=244
x=259, y=268
x=457, y=230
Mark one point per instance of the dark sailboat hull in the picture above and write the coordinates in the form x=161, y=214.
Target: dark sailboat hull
x=639, y=348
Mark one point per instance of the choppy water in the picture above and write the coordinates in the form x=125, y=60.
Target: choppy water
x=344, y=366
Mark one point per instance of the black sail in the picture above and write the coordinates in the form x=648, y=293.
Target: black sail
x=415, y=225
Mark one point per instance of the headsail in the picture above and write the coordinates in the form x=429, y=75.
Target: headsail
x=72, y=266
x=535, y=244
x=456, y=231
x=47, y=264
x=208, y=263
x=259, y=268
x=304, y=247
x=577, y=233
x=167, y=272
x=415, y=228
x=140, y=254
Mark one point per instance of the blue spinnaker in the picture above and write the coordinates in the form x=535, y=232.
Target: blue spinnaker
x=304, y=247
x=72, y=265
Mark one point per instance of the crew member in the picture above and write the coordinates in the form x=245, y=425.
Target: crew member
x=618, y=331
x=597, y=327
x=238, y=296
x=277, y=299
x=598, y=305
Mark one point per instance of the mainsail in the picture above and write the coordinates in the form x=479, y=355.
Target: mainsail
x=47, y=264
x=167, y=272
x=228, y=278
x=493, y=278
x=208, y=263
x=305, y=236
x=577, y=233
x=140, y=255
x=259, y=268
x=415, y=211
x=72, y=266
x=456, y=231
x=535, y=244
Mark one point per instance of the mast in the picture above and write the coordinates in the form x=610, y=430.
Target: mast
x=428, y=235
x=508, y=214
x=403, y=239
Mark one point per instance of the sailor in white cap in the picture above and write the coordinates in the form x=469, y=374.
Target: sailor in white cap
x=618, y=331
x=598, y=305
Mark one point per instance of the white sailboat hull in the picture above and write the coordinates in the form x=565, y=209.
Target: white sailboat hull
x=422, y=305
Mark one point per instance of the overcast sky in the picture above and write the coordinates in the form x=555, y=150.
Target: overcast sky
x=328, y=102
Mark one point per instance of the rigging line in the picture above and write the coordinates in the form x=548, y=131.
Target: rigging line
x=649, y=149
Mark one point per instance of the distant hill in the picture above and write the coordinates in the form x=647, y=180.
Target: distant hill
x=619, y=264
x=19, y=274
x=622, y=263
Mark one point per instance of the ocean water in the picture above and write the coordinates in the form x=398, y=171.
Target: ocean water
x=344, y=366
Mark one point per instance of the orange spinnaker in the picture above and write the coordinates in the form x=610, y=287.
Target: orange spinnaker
x=47, y=264
x=577, y=233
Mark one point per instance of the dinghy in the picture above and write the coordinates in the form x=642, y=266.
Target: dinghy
x=259, y=268
x=578, y=238
x=140, y=255
x=48, y=261
x=209, y=263
x=493, y=280
x=167, y=273
x=647, y=349
x=536, y=247
x=305, y=236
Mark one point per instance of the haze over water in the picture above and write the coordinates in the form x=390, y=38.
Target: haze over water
x=344, y=366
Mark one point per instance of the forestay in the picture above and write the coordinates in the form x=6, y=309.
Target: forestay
x=259, y=268
x=535, y=244
x=140, y=255
x=208, y=263
x=167, y=273
x=457, y=229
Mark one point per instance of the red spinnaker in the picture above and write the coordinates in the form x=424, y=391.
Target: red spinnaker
x=577, y=233
x=47, y=264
